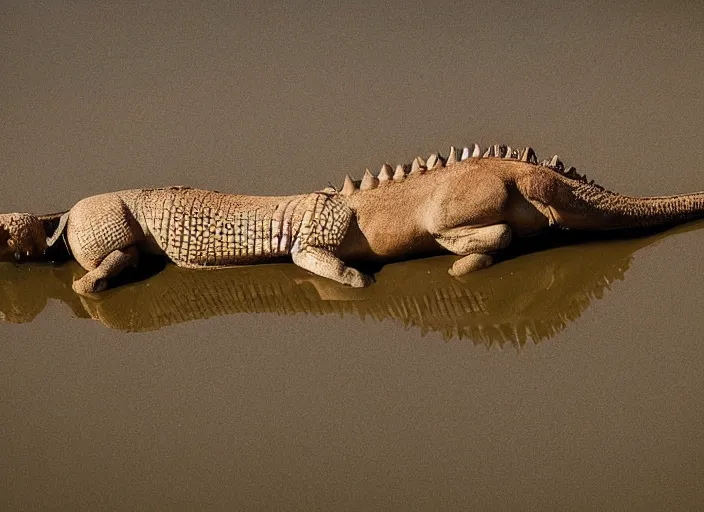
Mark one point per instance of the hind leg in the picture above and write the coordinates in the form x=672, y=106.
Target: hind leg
x=97, y=279
x=474, y=244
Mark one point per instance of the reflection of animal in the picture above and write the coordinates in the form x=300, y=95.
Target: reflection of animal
x=549, y=288
x=470, y=204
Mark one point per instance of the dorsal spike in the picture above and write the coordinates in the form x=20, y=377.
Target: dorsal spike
x=465, y=154
x=508, y=152
x=476, y=151
x=385, y=173
x=452, y=157
x=544, y=163
x=418, y=166
x=441, y=161
x=399, y=173
x=434, y=161
x=500, y=150
x=528, y=155
x=369, y=181
x=348, y=187
x=556, y=164
x=489, y=152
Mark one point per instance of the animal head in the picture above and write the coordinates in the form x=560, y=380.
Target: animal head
x=22, y=236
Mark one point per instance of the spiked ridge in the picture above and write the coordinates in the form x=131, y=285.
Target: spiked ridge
x=473, y=209
x=386, y=173
x=436, y=161
x=369, y=181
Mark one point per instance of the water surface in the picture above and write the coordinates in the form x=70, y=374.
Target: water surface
x=536, y=289
x=565, y=378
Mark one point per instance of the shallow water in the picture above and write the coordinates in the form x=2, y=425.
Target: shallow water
x=566, y=377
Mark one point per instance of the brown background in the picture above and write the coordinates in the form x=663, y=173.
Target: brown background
x=305, y=412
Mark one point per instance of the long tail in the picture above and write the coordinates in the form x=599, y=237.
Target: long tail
x=600, y=209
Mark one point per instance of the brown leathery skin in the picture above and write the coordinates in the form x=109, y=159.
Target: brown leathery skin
x=404, y=219
x=477, y=193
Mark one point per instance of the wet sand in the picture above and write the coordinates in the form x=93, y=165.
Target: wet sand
x=568, y=377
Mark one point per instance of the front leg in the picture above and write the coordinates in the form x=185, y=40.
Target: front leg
x=323, y=228
x=474, y=244
x=97, y=279
x=324, y=263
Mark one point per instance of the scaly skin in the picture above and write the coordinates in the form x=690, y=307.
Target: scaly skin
x=198, y=228
x=470, y=205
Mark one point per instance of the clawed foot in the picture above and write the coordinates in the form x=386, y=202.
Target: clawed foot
x=470, y=263
x=356, y=279
x=88, y=285
x=97, y=279
x=325, y=264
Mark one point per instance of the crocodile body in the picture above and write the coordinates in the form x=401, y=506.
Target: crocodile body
x=471, y=203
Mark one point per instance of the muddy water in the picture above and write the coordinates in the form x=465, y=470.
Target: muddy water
x=566, y=377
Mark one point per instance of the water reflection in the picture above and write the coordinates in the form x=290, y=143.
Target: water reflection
x=532, y=297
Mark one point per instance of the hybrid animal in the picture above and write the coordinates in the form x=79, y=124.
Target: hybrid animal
x=471, y=203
